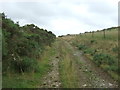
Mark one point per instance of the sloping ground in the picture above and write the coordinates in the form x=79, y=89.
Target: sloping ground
x=71, y=69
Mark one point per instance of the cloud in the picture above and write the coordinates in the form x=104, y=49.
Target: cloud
x=63, y=16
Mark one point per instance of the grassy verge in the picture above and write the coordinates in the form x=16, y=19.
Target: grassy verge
x=102, y=51
x=67, y=68
x=30, y=80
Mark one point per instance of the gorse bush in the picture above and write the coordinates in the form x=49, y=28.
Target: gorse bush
x=25, y=64
x=82, y=47
x=86, y=49
x=89, y=51
x=23, y=45
x=103, y=59
x=113, y=68
x=107, y=61
x=115, y=49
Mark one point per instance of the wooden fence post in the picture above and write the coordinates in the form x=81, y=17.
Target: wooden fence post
x=92, y=33
x=104, y=33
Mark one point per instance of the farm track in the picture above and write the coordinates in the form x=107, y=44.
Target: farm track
x=88, y=74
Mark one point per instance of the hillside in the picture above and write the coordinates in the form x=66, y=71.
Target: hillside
x=101, y=47
x=22, y=48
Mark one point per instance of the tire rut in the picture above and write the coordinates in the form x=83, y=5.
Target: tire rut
x=52, y=80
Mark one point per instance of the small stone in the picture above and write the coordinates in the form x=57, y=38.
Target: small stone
x=84, y=85
x=103, y=84
x=116, y=85
x=14, y=58
x=74, y=54
x=110, y=84
x=57, y=85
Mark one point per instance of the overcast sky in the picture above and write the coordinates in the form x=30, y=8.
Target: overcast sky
x=63, y=16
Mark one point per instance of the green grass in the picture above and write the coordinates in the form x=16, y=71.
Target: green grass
x=110, y=35
x=67, y=68
x=30, y=80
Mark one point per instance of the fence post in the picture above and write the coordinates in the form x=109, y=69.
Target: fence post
x=92, y=33
x=104, y=33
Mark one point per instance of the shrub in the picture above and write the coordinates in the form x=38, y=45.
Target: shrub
x=115, y=49
x=25, y=65
x=89, y=51
x=114, y=68
x=105, y=67
x=81, y=47
x=102, y=58
x=23, y=45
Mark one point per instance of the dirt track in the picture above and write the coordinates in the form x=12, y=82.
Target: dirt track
x=88, y=74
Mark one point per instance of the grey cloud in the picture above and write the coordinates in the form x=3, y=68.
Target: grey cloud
x=44, y=12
